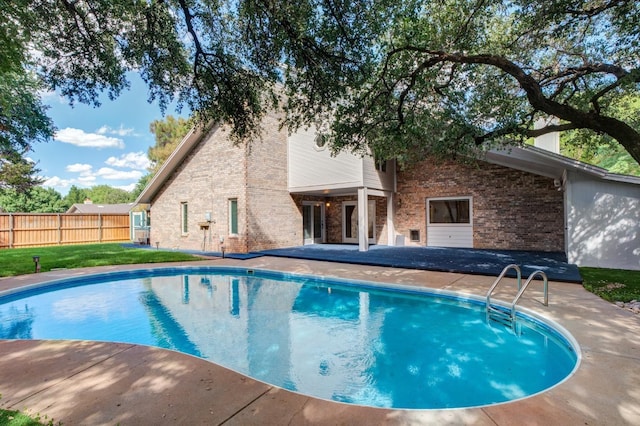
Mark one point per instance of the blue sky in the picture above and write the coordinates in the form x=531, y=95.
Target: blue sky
x=98, y=146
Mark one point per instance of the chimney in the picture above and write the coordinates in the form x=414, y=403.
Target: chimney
x=88, y=201
x=548, y=141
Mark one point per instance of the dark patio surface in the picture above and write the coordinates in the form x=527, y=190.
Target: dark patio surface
x=443, y=259
x=460, y=260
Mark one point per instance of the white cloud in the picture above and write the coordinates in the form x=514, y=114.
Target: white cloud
x=109, y=173
x=86, y=180
x=78, y=137
x=132, y=160
x=126, y=187
x=121, y=131
x=79, y=168
x=57, y=182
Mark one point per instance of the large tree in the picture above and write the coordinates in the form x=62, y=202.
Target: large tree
x=168, y=134
x=33, y=200
x=405, y=78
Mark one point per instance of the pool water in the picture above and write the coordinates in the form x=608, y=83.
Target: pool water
x=325, y=338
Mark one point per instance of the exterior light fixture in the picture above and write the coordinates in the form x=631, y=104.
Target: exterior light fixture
x=36, y=261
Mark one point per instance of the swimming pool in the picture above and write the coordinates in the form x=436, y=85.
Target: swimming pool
x=346, y=341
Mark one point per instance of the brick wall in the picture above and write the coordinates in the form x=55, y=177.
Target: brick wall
x=511, y=209
x=273, y=219
x=210, y=175
x=216, y=171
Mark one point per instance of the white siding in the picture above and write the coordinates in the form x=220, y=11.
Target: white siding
x=450, y=236
x=603, y=223
x=375, y=179
x=310, y=168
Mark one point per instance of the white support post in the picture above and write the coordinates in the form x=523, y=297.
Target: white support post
x=363, y=220
x=391, y=229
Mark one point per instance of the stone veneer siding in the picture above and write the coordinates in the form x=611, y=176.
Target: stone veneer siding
x=213, y=173
x=512, y=210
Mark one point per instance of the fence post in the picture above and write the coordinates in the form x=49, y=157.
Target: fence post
x=59, y=229
x=11, y=241
x=100, y=227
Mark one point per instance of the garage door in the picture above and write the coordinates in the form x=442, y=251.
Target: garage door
x=449, y=222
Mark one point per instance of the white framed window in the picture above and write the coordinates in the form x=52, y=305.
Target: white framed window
x=233, y=216
x=449, y=211
x=450, y=222
x=184, y=218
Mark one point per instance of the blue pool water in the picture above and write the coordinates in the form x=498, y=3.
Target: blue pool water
x=331, y=339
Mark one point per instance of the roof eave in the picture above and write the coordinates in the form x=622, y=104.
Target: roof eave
x=171, y=164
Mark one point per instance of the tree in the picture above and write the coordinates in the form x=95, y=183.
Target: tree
x=33, y=200
x=75, y=196
x=140, y=185
x=23, y=119
x=168, y=134
x=105, y=194
x=602, y=150
x=404, y=78
x=18, y=173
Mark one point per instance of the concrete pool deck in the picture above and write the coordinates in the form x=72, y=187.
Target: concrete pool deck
x=90, y=383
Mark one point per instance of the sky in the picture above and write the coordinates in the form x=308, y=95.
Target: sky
x=106, y=145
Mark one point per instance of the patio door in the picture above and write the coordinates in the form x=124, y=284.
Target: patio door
x=313, y=222
x=350, y=221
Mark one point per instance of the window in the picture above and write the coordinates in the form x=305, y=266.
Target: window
x=320, y=142
x=450, y=211
x=184, y=217
x=233, y=216
x=381, y=164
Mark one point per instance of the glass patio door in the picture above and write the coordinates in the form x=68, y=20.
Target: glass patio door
x=350, y=221
x=313, y=223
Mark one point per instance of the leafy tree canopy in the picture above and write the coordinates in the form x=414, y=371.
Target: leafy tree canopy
x=75, y=196
x=33, y=200
x=405, y=78
x=168, y=134
x=105, y=194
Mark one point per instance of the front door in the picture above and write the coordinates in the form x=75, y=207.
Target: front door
x=350, y=221
x=313, y=223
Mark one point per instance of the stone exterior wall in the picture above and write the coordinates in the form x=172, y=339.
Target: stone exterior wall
x=511, y=209
x=213, y=173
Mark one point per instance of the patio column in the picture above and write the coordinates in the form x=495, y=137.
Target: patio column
x=391, y=229
x=363, y=220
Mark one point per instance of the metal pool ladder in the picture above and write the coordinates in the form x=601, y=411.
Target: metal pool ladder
x=508, y=316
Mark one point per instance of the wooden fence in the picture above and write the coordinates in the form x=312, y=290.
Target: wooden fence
x=45, y=229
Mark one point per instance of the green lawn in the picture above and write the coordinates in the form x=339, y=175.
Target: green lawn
x=16, y=418
x=20, y=261
x=614, y=285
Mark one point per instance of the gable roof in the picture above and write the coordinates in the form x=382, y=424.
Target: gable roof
x=82, y=208
x=176, y=158
x=526, y=158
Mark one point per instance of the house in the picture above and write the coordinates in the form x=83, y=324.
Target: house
x=288, y=190
x=89, y=208
x=138, y=219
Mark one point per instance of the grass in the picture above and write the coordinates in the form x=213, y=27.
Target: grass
x=20, y=261
x=16, y=418
x=614, y=285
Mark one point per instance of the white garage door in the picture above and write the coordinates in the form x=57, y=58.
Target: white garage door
x=449, y=222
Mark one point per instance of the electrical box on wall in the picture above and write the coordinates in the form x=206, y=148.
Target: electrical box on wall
x=207, y=216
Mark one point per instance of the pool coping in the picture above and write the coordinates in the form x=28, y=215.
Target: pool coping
x=98, y=383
